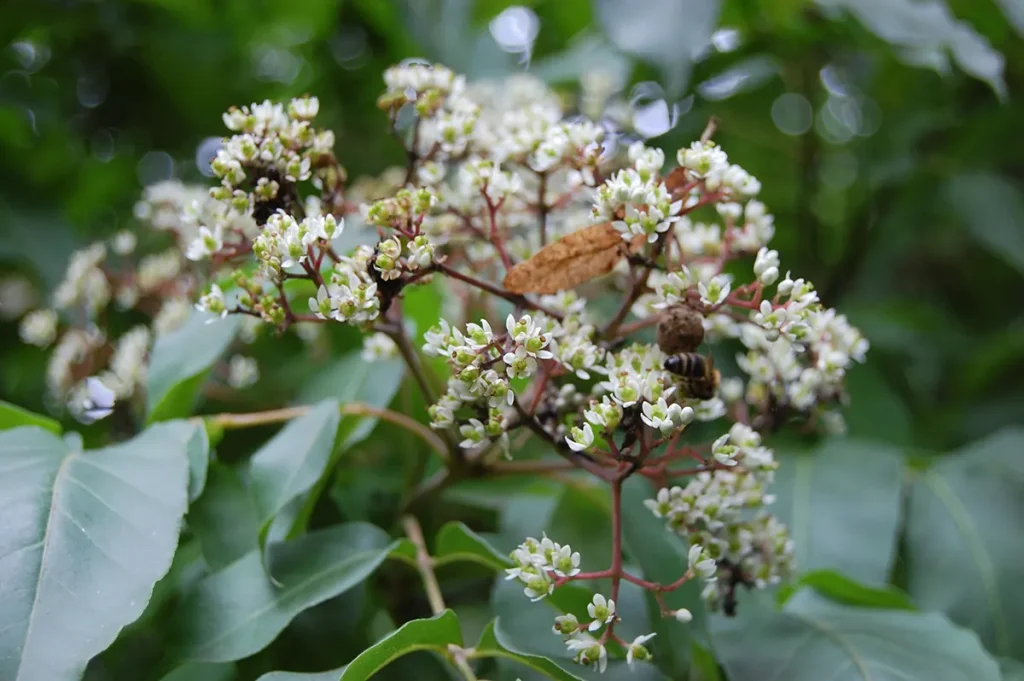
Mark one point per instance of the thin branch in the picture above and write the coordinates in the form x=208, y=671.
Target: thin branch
x=500, y=292
x=229, y=421
x=425, y=564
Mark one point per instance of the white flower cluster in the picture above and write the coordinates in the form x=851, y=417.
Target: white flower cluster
x=85, y=284
x=798, y=351
x=574, y=144
x=446, y=115
x=39, y=328
x=170, y=206
x=635, y=199
x=271, y=145
x=242, y=372
x=707, y=161
x=474, y=382
x=515, y=117
x=636, y=382
x=127, y=370
x=286, y=242
x=474, y=354
x=711, y=511
x=71, y=350
x=350, y=293
x=378, y=346
x=541, y=566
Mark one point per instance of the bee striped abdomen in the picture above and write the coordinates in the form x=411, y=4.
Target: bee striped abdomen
x=698, y=377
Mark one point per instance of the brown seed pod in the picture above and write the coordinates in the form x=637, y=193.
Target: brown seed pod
x=680, y=329
x=570, y=261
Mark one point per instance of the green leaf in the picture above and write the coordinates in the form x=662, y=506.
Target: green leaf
x=353, y=379
x=13, y=416
x=993, y=210
x=435, y=634
x=293, y=460
x=669, y=33
x=925, y=32
x=239, y=610
x=180, y=362
x=493, y=644
x=840, y=588
x=582, y=518
x=661, y=555
x=224, y=518
x=1013, y=670
x=964, y=557
x=86, y=535
x=202, y=671
x=703, y=665
x=824, y=641
x=329, y=675
x=198, y=460
x=1014, y=11
x=456, y=542
x=841, y=504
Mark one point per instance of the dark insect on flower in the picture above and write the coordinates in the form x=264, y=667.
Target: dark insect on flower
x=680, y=329
x=733, y=577
x=630, y=425
x=387, y=289
x=698, y=377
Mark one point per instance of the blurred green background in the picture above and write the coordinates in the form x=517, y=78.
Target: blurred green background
x=886, y=134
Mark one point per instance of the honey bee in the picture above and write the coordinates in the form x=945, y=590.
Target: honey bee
x=699, y=378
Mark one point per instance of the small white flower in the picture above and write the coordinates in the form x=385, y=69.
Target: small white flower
x=580, y=439
x=39, y=328
x=715, y=291
x=242, y=372
x=213, y=302
x=378, y=346
x=588, y=651
x=304, y=108
x=661, y=415
x=323, y=305
x=520, y=364
x=473, y=434
x=700, y=563
x=602, y=610
x=566, y=625
x=637, y=651
x=538, y=586
x=123, y=242
x=683, y=615
x=205, y=244
x=565, y=562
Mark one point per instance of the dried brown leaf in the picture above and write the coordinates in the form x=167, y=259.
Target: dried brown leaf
x=675, y=181
x=570, y=261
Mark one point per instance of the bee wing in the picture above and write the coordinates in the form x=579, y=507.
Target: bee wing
x=568, y=262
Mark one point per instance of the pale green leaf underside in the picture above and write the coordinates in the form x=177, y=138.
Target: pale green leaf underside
x=83, y=538
x=817, y=641
x=964, y=557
